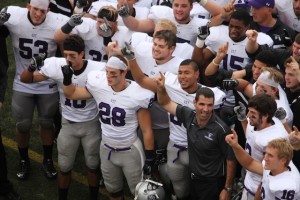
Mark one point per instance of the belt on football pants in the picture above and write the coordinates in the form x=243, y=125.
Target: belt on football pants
x=112, y=149
x=180, y=149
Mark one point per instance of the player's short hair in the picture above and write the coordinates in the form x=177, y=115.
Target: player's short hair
x=109, y=12
x=267, y=57
x=264, y=104
x=166, y=35
x=297, y=38
x=190, y=1
x=284, y=149
x=206, y=92
x=241, y=15
x=190, y=62
x=74, y=43
x=166, y=24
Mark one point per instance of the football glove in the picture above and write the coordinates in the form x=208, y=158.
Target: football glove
x=203, y=33
x=68, y=72
x=149, y=163
x=36, y=62
x=230, y=84
x=240, y=111
x=105, y=28
x=280, y=114
x=286, y=38
x=4, y=16
x=128, y=52
x=124, y=11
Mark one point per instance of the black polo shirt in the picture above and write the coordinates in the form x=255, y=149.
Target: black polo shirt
x=275, y=32
x=207, y=147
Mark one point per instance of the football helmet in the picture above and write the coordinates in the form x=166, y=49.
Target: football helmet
x=149, y=190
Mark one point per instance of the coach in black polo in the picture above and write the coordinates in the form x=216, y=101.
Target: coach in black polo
x=211, y=160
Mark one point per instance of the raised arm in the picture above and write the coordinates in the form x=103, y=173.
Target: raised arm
x=70, y=90
x=242, y=156
x=213, y=66
x=135, y=70
x=162, y=96
x=139, y=25
x=62, y=33
x=201, y=55
x=252, y=45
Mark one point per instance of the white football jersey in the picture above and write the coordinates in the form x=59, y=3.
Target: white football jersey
x=180, y=96
x=185, y=32
x=149, y=67
x=285, y=185
x=287, y=15
x=118, y=110
x=236, y=58
x=29, y=41
x=256, y=142
x=73, y=110
x=140, y=12
x=145, y=42
x=94, y=43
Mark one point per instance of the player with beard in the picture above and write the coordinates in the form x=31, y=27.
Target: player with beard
x=280, y=177
x=260, y=127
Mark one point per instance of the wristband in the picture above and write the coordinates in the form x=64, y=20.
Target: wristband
x=67, y=28
x=31, y=69
x=203, y=3
x=213, y=62
x=200, y=43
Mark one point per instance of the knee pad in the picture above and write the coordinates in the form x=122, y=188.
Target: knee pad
x=116, y=194
x=24, y=125
x=46, y=123
x=65, y=173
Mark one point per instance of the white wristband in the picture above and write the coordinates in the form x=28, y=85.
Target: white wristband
x=200, y=43
x=203, y=2
x=78, y=10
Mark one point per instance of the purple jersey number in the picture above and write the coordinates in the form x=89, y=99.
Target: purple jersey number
x=117, y=115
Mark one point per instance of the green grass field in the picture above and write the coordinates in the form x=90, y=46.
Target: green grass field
x=37, y=187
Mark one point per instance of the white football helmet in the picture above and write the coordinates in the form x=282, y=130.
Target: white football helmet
x=149, y=190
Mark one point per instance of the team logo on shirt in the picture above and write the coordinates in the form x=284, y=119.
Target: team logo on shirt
x=209, y=136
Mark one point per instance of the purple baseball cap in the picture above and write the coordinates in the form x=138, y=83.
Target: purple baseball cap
x=261, y=3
